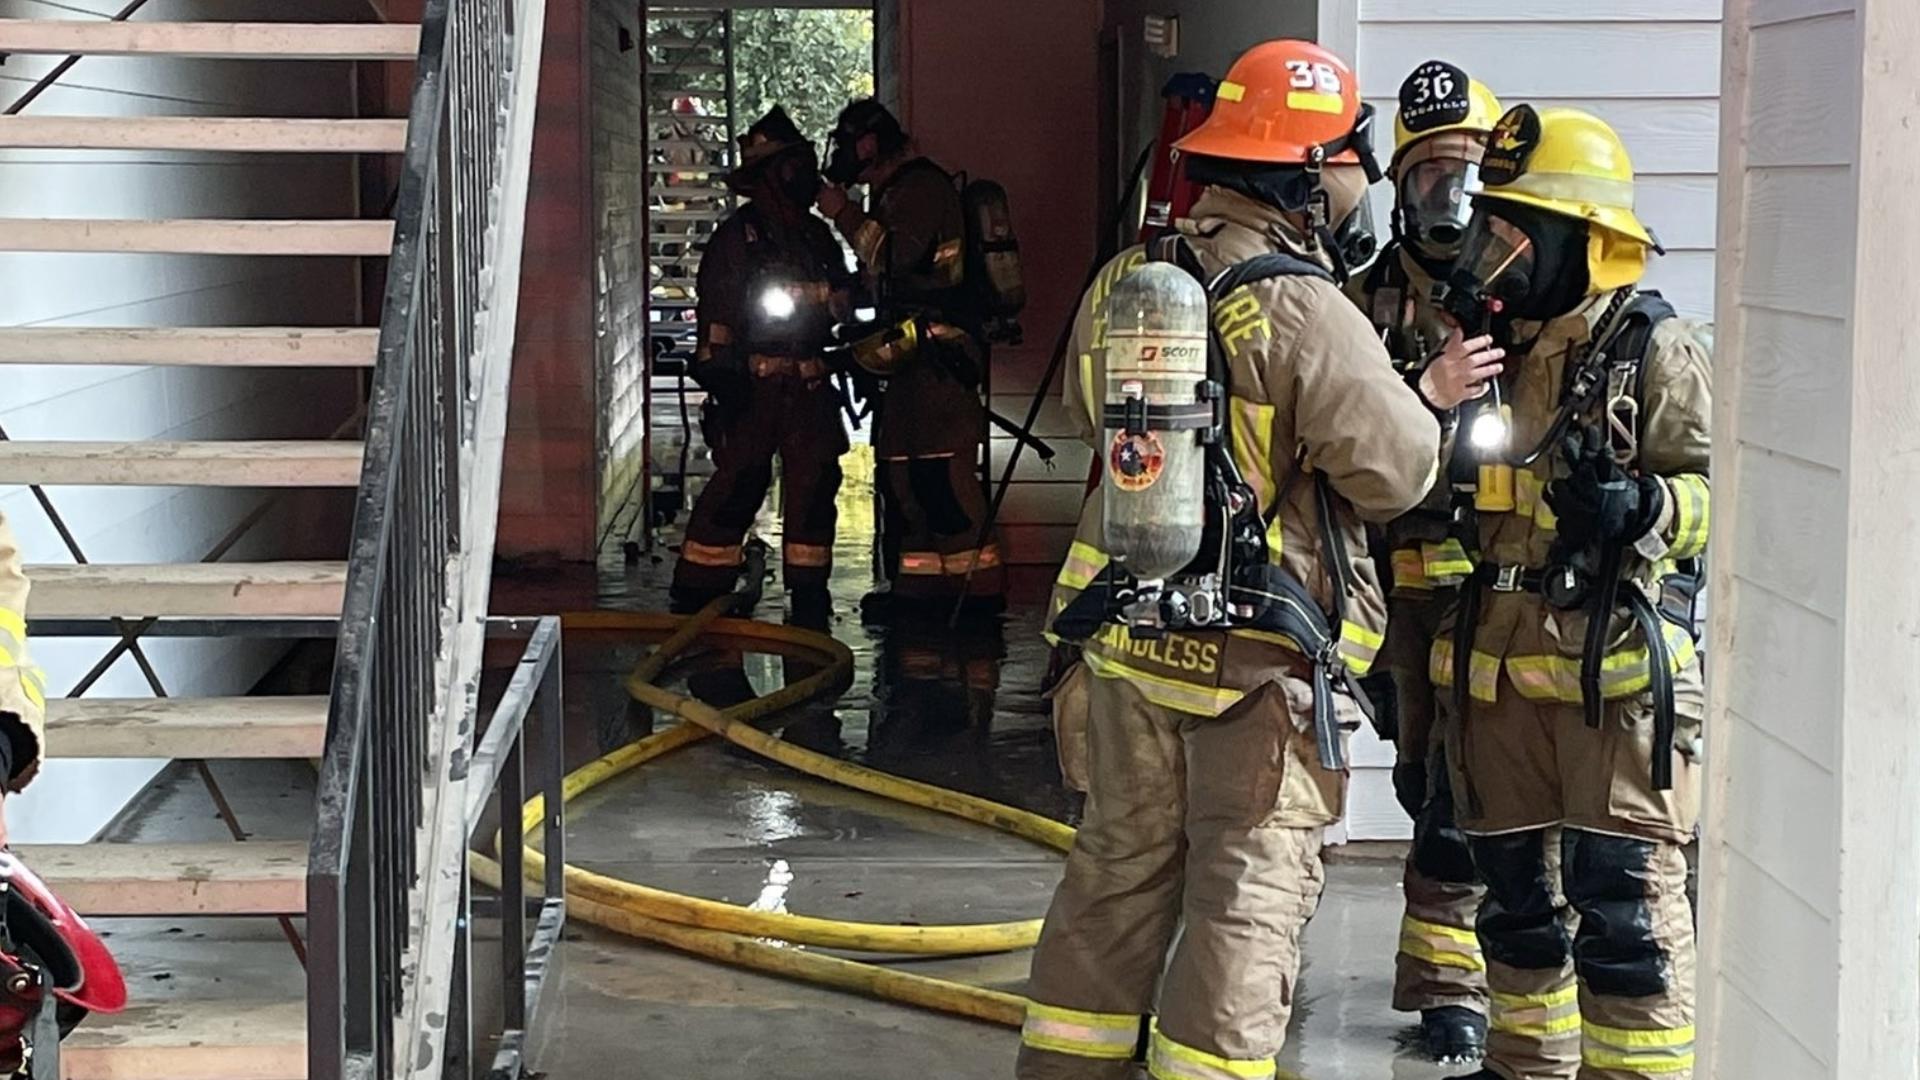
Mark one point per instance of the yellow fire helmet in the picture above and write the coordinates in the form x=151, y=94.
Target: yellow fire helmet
x=1571, y=163
x=1439, y=98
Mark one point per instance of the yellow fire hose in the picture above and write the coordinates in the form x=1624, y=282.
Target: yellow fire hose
x=764, y=940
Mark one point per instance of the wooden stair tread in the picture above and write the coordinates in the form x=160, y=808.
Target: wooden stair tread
x=232, y=463
x=241, y=727
x=197, y=236
x=230, y=878
x=209, y=133
x=213, y=590
x=191, y=1040
x=239, y=346
x=212, y=40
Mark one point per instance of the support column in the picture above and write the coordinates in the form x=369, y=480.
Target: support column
x=1811, y=865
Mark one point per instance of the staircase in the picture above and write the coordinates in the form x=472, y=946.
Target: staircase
x=436, y=413
x=687, y=66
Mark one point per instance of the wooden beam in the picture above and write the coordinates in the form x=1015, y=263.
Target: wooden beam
x=229, y=878
x=265, y=346
x=194, y=1040
x=187, y=590
x=219, y=728
x=197, y=236
x=212, y=40
x=203, y=133
x=313, y=463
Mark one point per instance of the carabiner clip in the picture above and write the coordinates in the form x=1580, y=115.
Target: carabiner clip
x=1623, y=429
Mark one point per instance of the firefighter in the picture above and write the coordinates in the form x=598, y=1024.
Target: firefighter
x=1208, y=789
x=911, y=245
x=1439, y=135
x=23, y=688
x=772, y=285
x=1571, y=692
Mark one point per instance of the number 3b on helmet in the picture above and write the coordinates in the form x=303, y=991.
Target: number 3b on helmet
x=1286, y=102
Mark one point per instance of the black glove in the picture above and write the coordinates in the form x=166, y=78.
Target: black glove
x=1601, y=503
x=1410, y=786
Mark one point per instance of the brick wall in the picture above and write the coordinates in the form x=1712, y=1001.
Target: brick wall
x=549, y=491
x=620, y=316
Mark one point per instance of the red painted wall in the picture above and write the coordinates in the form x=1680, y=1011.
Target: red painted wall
x=1010, y=89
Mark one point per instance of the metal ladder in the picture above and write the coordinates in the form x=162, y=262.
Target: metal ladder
x=687, y=71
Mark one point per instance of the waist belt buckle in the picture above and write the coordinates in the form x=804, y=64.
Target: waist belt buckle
x=1507, y=579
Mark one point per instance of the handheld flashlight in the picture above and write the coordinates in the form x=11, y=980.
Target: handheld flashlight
x=778, y=303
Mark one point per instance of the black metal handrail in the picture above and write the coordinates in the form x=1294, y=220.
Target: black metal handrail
x=397, y=721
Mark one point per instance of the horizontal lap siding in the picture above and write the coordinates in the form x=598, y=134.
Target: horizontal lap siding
x=1651, y=68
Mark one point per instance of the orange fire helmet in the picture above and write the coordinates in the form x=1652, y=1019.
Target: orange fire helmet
x=1286, y=102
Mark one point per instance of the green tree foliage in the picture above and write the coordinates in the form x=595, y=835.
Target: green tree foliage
x=813, y=61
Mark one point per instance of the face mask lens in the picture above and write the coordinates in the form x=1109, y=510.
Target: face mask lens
x=1498, y=256
x=1434, y=200
x=1356, y=236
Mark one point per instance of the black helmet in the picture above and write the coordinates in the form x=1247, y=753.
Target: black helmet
x=769, y=137
x=858, y=120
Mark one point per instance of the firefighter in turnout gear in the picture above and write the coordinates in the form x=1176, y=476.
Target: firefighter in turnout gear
x=23, y=688
x=1571, y=692
x=1209, y=782
x=772, y=285
x=930, y=422
x=1439, y=136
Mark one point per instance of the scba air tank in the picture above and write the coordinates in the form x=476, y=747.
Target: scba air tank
x=1154, y=471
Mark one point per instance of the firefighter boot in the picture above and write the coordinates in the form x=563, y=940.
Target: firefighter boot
x=1453, y=1034
x=810, y=608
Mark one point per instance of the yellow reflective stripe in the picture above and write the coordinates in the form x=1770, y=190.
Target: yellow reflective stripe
x=1168, y=693
x=808, y=555
x=1483, y=676
x=1656, y=1050
x=1170, y=1060
x=1087, y=399
x=1631, y=1039
x=1538, y=1016
x=1445, y=562
x=1692, y=508
x=701, y=554
x=981, y=558
x=922, y=563
x=1270, y=638
x=1440, y=945
x=1359, y=646
x=1107, y=1036
x=867, y=240
x=14, y=623
x=1530, y=499
x=1409, y=569
x=32, y=682
x=1252, y=429
x=1084, y=563
x=1622, y=674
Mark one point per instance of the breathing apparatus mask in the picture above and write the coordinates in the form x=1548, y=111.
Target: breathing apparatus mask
x=1432, y=205
x=795, y=174
x=1332, y=198
x=1516, y=263
x=845, y=163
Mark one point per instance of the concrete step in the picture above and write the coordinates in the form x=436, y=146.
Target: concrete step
x=191, y=1040
x=212, y=346
x=309, y=464
x=213, y=40
x=251, y=878
x=187, y=590
x=203, y=133
x=250, y=727
x=197, y=236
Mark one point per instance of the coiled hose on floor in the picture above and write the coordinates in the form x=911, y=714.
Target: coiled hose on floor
x=762, y=940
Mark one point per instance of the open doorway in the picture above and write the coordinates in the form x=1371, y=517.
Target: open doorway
x=708, y=73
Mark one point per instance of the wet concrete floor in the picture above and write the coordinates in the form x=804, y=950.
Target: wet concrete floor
x=959, y=708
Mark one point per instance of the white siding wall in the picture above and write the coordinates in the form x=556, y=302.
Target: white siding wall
x=1651, y=68
x=1809, y=867
x=73, y=799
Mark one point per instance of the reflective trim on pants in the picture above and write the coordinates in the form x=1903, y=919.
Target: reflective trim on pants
x=959, y=563
x=1170, y=1060
x=699, y=554
x=1167, y=693
x=1658, y=1050
x=1445, y=563
x=1445, y=946
x=808, y=555
x=923, y=563
x=1537, y=1016
x=1409, y=569
x=1106, y=1036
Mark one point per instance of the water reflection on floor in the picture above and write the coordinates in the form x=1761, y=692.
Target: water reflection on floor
x=955, y=707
